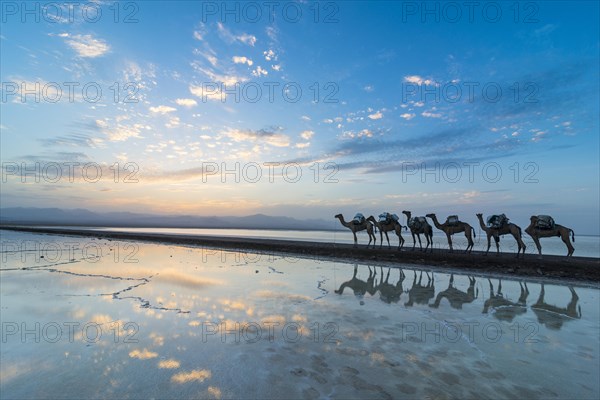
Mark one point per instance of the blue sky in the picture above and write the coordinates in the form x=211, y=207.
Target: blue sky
x=376, y=105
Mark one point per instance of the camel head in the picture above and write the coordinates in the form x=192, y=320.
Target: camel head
x=338, y=216
x=479, y=215
x=431, y=215
x=533, y=219
x=406, y=212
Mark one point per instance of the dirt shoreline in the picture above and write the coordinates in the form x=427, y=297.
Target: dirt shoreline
x=559, y=268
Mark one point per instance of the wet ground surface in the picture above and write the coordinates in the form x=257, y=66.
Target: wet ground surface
x=86, y=317
x=561, y=268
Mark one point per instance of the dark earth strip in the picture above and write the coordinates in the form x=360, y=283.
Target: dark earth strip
x=560, y=268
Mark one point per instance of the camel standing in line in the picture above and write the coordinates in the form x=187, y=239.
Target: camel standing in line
x=357, y=228
x=385, y=228
x=450, y=230
x=507, y=228
x=558, y=230
x=425, y=229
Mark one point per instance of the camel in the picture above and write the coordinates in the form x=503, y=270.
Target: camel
x=385, y=228
x=506, y=310
x=425, y=229
x=450, y=230
x=359, y=286
x=357, y=228
x=456, y=297
x=391, y=293
x=553, y=316
x=419, y=293
x=507, y=228
x=558, y=230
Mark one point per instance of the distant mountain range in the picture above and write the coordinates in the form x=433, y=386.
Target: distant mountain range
x=83, y=217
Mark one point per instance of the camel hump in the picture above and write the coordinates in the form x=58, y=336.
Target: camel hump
x=545, y=222
x=452, y=220
x=359, y=218
x=497, y=221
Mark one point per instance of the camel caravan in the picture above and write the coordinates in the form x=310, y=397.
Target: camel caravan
x=495, y=226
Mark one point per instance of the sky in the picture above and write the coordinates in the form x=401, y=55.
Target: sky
x=303, y=109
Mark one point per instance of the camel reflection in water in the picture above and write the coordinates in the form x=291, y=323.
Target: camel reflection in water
x=389, y=293
x=506, y=310
x=552, y=316
x=456, y=297
x=359, y=286
x=503, y=309
x=419, y=293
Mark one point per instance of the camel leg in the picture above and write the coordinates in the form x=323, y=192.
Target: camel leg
x=388, y=240
x=570, y=248
x=381, y=237
x=401, y=242
x=470, y=242
x=355, y=239
x=536, y=240
x=489, y=240
x=497, y=240
x=522, y=245
x=449, y=237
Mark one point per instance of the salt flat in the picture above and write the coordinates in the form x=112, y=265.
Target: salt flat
x=102, y=318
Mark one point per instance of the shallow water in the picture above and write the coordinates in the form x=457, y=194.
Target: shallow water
x=585, y=246
x=118, y=319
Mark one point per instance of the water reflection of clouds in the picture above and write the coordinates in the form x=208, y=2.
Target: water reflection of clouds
x=169, y=364
x=171, y=349
x=143, y=354
x=199, y=375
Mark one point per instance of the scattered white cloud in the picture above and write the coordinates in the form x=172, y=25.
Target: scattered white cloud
x=360, y=134
x=431, y=115
x=247, y=39
x=270, y=55
x=377, y=115
x=186, y=102
x=302, y=145
x=276, y=67
x=305, y=118
x=369, y=88
x=86, y=45
x=270, y=137
x=173, y=122
x=209, y=54
x=416, y=79
x=207, y=93
x=162, y=109
x=407, y=116
x=226, y=79
x=259, y=71
x=227, y=36
x=242, y=60
x=120, y=132
x=307, y=135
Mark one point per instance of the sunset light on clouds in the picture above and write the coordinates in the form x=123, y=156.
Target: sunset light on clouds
x=306, y=110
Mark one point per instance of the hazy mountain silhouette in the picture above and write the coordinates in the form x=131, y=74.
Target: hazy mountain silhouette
x=83, y=217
